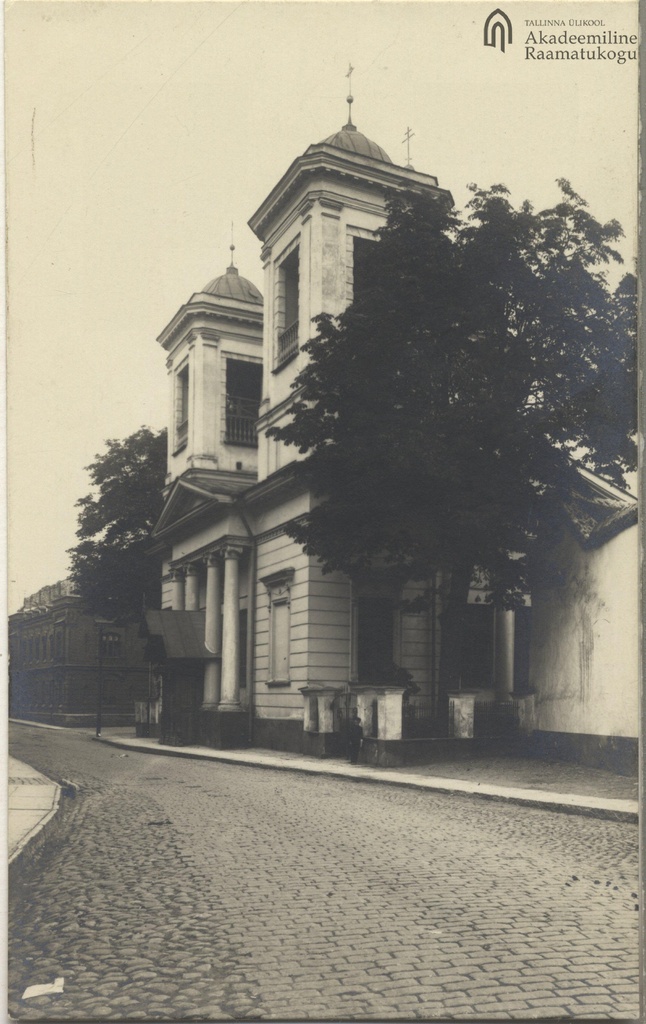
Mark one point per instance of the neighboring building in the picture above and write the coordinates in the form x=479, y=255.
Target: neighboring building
x=254, y=643
x=584, y=665
x=58, y=652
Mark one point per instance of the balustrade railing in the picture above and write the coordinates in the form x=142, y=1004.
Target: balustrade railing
x=495, y=718
x=420, y=719
x=288, y=342
x=242, y=414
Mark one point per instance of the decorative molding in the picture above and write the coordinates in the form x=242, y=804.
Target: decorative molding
x=210, y=335
x=231, y=551
x=278, y=585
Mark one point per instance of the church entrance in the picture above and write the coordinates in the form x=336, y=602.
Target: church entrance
x=183, y=683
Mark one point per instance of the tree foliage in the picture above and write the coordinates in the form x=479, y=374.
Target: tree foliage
x=110, y=566
x=447, y=408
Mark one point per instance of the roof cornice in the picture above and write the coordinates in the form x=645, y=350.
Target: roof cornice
x=221, y=310
x=375, y=174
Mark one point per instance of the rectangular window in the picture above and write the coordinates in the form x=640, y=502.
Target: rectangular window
x=279, y=670
x=244, y=391
x=278, y=586
x=288, y=305
x=111, y=645
x=361, y=251
x=181, y=407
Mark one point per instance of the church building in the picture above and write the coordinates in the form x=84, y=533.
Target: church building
x=253, y=643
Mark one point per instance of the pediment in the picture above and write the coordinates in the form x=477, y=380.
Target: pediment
x=186, y=501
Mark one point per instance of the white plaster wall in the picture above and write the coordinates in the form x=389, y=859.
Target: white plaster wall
x=584, y=651
x=275, y=553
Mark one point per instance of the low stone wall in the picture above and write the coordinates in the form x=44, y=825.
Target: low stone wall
x=224, y=730
x=395, y=753
x=279, y=734
x=619, y=754
x=323, y=744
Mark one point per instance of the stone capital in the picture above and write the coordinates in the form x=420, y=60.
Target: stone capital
x=231, y=551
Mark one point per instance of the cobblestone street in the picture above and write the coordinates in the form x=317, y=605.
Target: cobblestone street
x=187, y=889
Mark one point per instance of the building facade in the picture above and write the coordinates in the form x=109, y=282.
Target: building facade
x=253, y=642
x=60, y=654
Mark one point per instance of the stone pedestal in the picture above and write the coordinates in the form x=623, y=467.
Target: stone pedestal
x=461, y=715
x=224, y=731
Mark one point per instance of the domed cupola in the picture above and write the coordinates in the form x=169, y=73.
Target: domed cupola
x=232, y=286
x=349, y=138
x=352, y=140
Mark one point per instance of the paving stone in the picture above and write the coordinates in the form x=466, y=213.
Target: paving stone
x=437, y=905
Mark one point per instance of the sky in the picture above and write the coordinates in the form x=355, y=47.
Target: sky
x=138, y=133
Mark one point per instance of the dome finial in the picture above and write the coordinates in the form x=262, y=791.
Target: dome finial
x=232, y=269
x=349, y=127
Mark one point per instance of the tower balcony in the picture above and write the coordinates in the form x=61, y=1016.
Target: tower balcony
x=288, y=343
x=242, y=414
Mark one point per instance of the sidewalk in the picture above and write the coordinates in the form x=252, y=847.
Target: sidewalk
x=552, y=785
x=32, y=801
x=555, y=786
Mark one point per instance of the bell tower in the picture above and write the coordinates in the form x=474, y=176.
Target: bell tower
x=214, y=361
x=329, y=203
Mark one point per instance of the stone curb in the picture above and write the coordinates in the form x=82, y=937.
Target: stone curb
x=39, y=826
x=594, y=807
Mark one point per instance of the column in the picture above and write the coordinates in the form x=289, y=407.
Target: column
x=192, y=592
x=213, y=631
x=503, y=653
x=177, y=590
x=230, y=700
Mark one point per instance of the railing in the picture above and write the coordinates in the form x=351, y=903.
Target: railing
x=420, y=719
x=495, y=718
x=242, y=414
x=288, y=342
x=181, y=433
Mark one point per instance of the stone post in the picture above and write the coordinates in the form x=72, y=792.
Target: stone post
x=192, y=594
x=503, y=656
x=213, y=632
x=326, y=713
x=461, y=714
x=177, y=590
x=230, y=699
x=364, y=708
x=390, y=713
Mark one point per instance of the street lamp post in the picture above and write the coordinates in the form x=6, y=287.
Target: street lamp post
x=99, y=690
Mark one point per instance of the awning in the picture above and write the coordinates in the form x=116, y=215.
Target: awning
x=175, y=635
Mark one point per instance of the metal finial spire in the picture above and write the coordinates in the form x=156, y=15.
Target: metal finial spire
x=350, y=98
x=232, y=267
x=231, y=247
x=407, y=137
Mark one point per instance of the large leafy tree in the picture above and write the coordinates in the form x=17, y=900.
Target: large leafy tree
x=444, y=413
x=110, y=565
